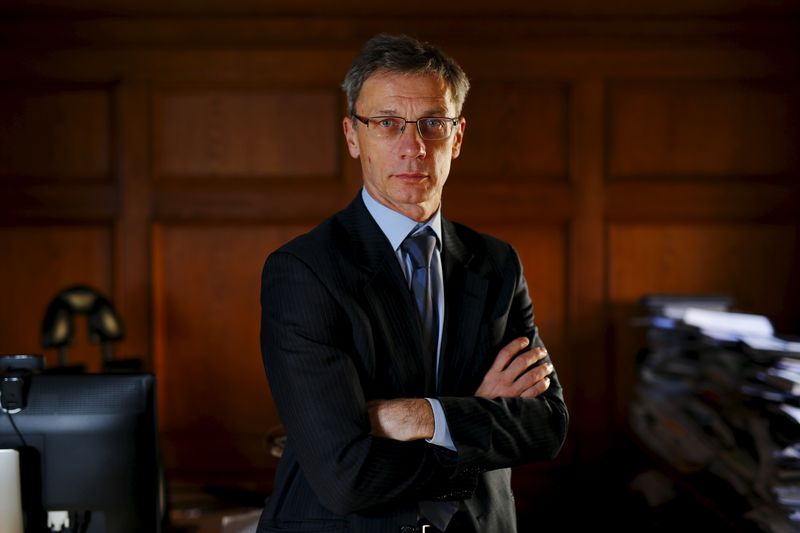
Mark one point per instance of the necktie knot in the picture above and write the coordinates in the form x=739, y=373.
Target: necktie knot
x=419, y=248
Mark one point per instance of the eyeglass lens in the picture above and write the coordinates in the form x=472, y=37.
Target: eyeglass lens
x=429, y=128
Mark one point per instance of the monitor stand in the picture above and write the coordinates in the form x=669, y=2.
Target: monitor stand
x=11, y=501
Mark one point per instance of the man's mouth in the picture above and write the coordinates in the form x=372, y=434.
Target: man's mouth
x=411, y=176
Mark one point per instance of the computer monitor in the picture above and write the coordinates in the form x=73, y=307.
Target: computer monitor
x=88, y=444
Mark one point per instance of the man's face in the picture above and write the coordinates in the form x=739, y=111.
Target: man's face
x=405, y=174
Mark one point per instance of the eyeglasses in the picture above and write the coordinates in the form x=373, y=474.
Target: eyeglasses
x=429, y=128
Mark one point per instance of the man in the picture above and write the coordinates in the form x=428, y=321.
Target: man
x=396, y=342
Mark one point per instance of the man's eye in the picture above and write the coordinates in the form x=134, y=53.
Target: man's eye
x=433, y=123
x=387, y=123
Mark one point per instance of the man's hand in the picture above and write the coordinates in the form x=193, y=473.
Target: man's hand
x=510, y=377
x=401, y=419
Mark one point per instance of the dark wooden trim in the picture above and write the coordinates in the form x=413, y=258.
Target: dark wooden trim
x=287, y=68
x=591, y=361
x=78, y=202
x=702, y=201
x=282, y=202
x=348, y=32
x=131, y=275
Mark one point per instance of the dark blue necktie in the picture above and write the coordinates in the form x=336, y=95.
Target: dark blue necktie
x=419, y=248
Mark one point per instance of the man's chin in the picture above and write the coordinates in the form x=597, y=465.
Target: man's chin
x=414, y=193
x=423, y=201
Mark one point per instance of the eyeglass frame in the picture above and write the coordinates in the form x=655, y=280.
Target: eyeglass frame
x=366, y=120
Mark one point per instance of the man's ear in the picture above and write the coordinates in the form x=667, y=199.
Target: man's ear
x=351, y=137
x=462, y=125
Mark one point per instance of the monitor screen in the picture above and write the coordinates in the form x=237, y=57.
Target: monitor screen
x=88, y=444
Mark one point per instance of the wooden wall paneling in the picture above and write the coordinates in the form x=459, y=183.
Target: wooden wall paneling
x=642, y=100
x=586, y=272
x=514, y=131
x=238, y=133
x=36, y=263
x=55, y=152
x=739, y=259
x=753, y=263
x=718, y=129
x=215, y=404
x=294, y=188
x=132, y=230
x=51, y=132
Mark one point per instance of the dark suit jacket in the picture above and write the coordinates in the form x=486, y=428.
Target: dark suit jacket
x=339, y=329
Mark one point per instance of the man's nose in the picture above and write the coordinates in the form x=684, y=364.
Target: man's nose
x=411, y=143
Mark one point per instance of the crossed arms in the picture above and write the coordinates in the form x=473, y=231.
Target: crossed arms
x=512, y=375
x=358, y=454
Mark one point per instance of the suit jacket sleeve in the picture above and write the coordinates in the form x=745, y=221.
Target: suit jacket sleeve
x=503, y=432
x=307, y=347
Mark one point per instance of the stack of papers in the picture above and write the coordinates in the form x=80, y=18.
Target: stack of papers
x=719, y=392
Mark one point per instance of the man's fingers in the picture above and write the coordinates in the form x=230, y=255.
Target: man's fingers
x=532, y=377
x=539, y=388
x=515, y=373
x=508, y=352
x=525, y=360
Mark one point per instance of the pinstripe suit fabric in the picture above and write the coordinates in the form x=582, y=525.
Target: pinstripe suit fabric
x=339, y=329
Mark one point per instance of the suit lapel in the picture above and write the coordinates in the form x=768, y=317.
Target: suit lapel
x=465, y=299
x=387, y=299
x=388, y=302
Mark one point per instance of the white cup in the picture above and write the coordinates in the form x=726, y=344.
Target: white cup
x=11, y=502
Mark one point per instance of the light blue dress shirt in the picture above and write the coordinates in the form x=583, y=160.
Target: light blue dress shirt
x=397, y=227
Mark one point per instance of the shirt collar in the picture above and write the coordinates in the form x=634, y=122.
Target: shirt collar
x=396, y=226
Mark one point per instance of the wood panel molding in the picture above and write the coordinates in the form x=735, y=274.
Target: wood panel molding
x=304, y=68
x=283, y=201
x=702, y=200
x=347, y=33
x=57, y=202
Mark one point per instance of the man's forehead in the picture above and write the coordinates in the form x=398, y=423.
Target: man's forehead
x=399, y=89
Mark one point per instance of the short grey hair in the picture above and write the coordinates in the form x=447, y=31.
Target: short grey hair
x=404, y=55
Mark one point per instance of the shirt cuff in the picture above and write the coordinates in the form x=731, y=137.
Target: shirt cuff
x=441, y=431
